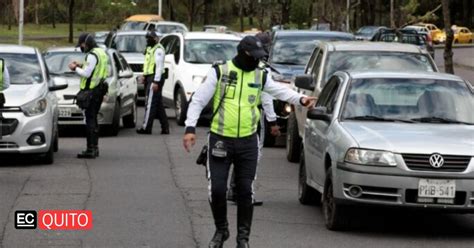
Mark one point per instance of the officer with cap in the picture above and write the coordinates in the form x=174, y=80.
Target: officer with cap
x=153, y=71
x=93, y=74
x=235, y=88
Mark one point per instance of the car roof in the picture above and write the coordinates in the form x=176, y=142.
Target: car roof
x=132, y=32
x=371, y=46
x=292, y=33
x=409, y=74
x=168, y=23
x=7, y=48
x=144, y=18
x=69, y=49
x=208, y=36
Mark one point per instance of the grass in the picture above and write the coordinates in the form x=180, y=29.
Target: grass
x=62, y=29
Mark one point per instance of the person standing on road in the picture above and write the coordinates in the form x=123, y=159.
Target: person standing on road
x=153, y=71
x=93, y=74
x=235, y=89
x=4, y=76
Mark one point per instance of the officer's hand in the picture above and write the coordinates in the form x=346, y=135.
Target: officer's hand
x=155, y=87
x=275, y=130
x=308, y=101
x=72, y=66
x=189, y=140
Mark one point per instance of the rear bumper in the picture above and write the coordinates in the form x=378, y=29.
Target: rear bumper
x=105, y=116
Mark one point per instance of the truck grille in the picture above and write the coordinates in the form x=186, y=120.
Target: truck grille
x=136, y=67
x=421, y=162
x=8, y=126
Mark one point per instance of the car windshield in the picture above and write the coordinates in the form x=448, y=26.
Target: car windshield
x=297, y=50
x=209, y=51
x=58, y=62
x=366, y=30
x=130, y=43
x=166, y=29
x=23, y=68
x=368, y=60
x=409, y=100
x=128, y=26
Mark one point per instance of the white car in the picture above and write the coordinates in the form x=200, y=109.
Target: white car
x=189, y=57
x=30, y=115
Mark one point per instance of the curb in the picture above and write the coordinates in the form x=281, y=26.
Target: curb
x=470, y=45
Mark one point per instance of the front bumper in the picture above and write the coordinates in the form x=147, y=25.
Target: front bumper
x=395, y=189
x=16, y=142
x=70, y=114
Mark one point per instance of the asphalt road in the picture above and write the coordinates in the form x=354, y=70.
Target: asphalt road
x=145, y=191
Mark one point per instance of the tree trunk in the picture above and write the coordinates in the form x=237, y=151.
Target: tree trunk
x=448, y=47
x=191, y=14
x=53, y=10
x=36, y=12
x=207, y=11
x=285, y=11
x=241, y=15
x=171, y=10
x=392, y=14
x=71, y=20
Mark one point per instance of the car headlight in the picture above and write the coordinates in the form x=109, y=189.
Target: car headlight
x=35, y=107
x=197, y=80
x=370, y=157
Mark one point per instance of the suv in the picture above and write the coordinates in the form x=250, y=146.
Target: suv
x=188, y=58
x=289, y=54
x=29, y=122
x=329, y=57
x=407, y=36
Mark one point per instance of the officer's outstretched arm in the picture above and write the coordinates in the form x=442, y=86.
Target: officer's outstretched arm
x=288, y=95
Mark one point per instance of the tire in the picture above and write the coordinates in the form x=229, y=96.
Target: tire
x=56, y=141
x=336, y=216
x=114, y=128
x=48, y=157
x=180, y=106
x=293, y=140
x=269, y=140
x=130, y=121
x=306, y=194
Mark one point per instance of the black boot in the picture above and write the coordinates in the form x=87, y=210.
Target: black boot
x=244, y=222
x=143, y=131
x=219, y=212
x=88, y=154
x=96, y=151
x=165, y=131
x=220, y=236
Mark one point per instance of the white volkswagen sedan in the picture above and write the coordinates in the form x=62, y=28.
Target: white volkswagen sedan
x=29, y=118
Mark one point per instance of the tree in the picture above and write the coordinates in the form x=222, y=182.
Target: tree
x=448, y=47
x=71, y=20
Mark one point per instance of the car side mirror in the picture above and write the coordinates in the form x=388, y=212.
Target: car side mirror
x=125, y=74
x=58, y=84
x=304, y=81
x=319, y=113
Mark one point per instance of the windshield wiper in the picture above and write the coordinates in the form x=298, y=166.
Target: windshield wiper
x=377, y=118
x=437, y=119
x=70, y=73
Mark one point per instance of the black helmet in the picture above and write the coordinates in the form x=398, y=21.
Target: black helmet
x=88, y=39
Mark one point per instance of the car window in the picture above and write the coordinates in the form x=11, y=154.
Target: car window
x=209, y=51
x=133, y=26
x=327, y=95
x=311, y=62
x=317, y=66
x=129, y=43
x=23, y=68
x=151, y=26
x=118, y=66
x=167, y=42
x=175, y=49
x=57, y=62
x=124, y=63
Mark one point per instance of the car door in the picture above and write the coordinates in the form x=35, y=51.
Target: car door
x=316, y=141
x=128, y=84
x=170, y=43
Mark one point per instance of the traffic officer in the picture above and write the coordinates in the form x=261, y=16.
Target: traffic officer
x=93, y=74
x=4, y=76
x=235, y=88
x=153, y=70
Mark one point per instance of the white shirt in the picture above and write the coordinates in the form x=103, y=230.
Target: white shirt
x=159, y=63
x=6, y=78
x=268, y=108
x=205, y=92
x=91, y=63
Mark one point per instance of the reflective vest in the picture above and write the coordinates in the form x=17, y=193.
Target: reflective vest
x=150, y=63
x=238, y=114
x=2, y=68
x=100, y=71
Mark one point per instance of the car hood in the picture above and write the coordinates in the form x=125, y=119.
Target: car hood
x=17, y=95
x=421, y=138
x=288, y=71
x=134, y=58
x=66, y=96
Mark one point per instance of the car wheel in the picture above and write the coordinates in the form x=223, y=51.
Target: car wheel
x=306, y=194
x=269, y=140
x=56, y=140
x=336, y=216
x=130, y=121
x=48, y=157
x=114, y=128
x=293, y=140
x=180, y=106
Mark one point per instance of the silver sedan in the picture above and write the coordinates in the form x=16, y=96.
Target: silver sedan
x=390, y=139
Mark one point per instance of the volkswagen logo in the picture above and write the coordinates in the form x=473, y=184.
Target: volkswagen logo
x=436, y=160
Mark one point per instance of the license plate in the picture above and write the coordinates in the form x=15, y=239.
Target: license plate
x=434, y=188
x=65, y=112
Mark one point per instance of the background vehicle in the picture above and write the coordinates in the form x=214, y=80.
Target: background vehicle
x=289, y=54
x=132, y=45
x=189, y=57
x=405, y=35
x=437, y=34
x=462, y=35
x=385, y=138
x=100, y=36
x=427, y=34
x=329, y=57
x=121, y=98
x=367, y=32
x=139, y=22
x=30, y=113
x=165, y=27
x=215, y=28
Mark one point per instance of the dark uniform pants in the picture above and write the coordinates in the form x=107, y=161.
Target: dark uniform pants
x=92, y=126
x=243, y=154
x=154, y=105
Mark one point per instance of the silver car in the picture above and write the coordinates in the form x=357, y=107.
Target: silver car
x=389, y=139
x=120, y=102
x=30, y=115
